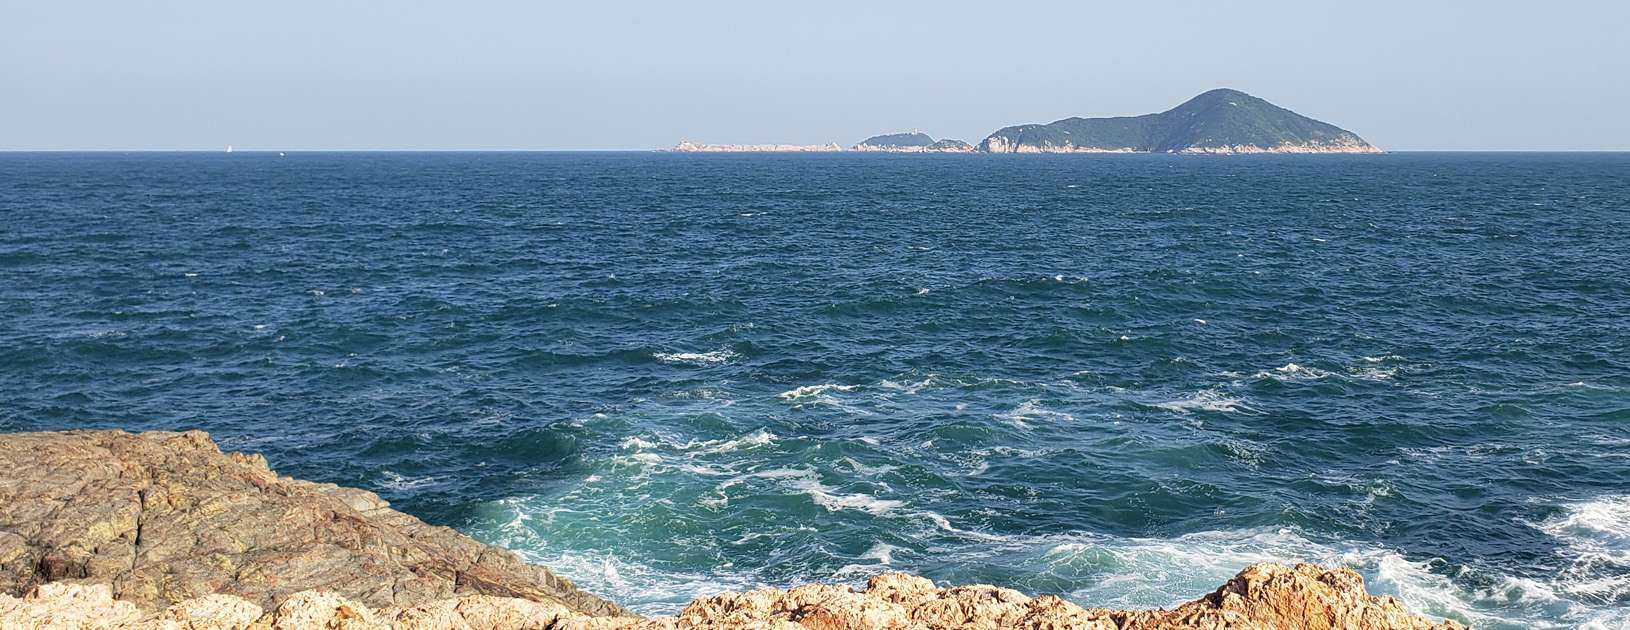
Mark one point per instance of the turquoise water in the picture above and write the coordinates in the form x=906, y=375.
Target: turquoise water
x=1118, y=378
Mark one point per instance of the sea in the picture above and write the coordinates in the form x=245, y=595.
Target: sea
x=1117, y=378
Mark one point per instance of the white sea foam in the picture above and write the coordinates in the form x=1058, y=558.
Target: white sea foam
x=825, y=497
x=642, y=587
x=398, y=482
x=695, y=358
x=633, y=442
x=808, y=482
x=754, y=439
x=1204, y=400
x=909, y=388
x=1372, y=373
x=1291, y=372
x=1107, y=570
x=1596, y=535
x=883, y=553
x=864, y=470
x=814, y=390
x=1031, y=410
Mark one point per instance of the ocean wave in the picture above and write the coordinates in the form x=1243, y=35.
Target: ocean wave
x=1092, y=568
x=1031, y=410
x=813, y=390
x=1123, y=572
x=808, y=482
x=1204, y=400
x=1596, y=537
x=695, y=358
x=397, y=482
x=1291, y=372
x=909, y=387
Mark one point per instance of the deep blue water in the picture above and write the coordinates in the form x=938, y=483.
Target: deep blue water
x=1119, y=378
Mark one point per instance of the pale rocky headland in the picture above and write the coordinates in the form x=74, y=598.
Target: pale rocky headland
x=107, y=529
x=703, y=147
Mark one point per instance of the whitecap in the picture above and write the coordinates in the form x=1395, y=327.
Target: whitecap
x=1596, y=537
x=909, y=388
x=824, y=496
x=1204, y=400
x=881, y=552
x=695, y=358
x=1031, y=410
x=813, y=390
x=398, y=482
x=1291, y=372
x=636, y=443
x=751, y=440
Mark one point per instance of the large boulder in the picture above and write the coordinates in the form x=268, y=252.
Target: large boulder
x=167, y=517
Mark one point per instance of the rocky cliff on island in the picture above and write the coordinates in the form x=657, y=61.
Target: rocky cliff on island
x=159, y=530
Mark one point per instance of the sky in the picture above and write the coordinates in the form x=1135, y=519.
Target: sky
x=615, y=74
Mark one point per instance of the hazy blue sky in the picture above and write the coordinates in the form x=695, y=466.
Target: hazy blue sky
x=611, y=74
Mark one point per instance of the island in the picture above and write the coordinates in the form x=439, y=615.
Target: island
x=164, y=531
x=914, y=142
x=1220, y=121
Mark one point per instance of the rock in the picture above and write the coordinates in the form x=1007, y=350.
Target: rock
x=67, y=607
x=166, y=517
x=1262, y=597
x=704, y=147
x=1276, y=597
x=163, y=531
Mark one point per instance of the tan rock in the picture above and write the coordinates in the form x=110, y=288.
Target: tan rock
x=166, y=517
x=311, y=610
x=67, y=607
x=210, y=612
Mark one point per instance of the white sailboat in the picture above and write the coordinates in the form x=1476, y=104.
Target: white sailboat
x=229, y=148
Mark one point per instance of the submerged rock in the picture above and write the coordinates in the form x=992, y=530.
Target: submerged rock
x=163, y=531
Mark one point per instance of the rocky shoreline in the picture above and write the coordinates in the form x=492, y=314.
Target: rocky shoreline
x=107, y=529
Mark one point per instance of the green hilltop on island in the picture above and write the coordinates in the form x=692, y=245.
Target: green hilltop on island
x=1220, y=121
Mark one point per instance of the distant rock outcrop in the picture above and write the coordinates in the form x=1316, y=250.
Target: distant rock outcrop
x=914, y=142
x=163, y=531
x=167, y=517
x=703, y=147
x=1218, y=121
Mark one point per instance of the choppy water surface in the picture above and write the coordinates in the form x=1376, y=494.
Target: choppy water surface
x=1120, y=378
